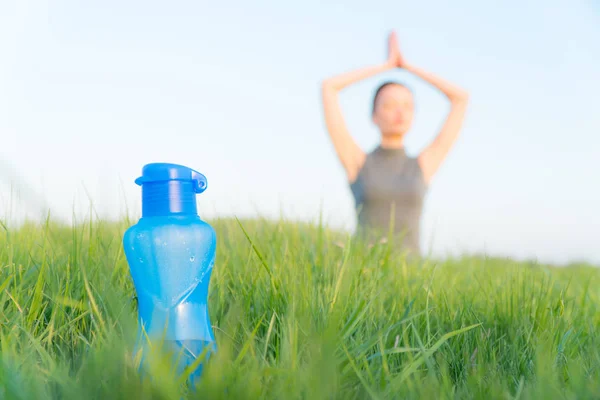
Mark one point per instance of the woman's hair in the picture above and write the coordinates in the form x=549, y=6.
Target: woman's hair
x=383, y=86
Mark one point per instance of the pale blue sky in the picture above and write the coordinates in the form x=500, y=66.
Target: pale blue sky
x=232, y=89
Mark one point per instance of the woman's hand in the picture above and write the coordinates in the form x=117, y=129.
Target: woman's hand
x=395, y=59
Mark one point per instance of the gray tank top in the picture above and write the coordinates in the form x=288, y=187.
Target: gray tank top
x=390, y=189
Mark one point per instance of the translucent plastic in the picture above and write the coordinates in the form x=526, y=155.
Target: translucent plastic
x=171, y=260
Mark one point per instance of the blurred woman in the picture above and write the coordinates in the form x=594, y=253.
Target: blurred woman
x=389, y=186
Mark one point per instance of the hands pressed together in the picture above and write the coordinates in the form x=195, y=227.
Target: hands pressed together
x=395, y=59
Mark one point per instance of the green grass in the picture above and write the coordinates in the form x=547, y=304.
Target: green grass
x=299, y=316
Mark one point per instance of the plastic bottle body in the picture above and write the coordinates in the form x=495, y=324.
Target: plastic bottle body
x=171, y=260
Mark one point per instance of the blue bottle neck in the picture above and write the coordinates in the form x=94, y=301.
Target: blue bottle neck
x=168, y=198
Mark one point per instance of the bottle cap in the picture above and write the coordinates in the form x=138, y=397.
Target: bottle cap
x=170, y=189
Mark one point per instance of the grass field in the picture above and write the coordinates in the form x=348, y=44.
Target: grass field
x=297, y=316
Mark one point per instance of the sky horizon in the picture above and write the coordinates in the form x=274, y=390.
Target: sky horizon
x=89, y=93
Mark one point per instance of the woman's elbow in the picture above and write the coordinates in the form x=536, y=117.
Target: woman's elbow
x=329, y=86
x=460, y=98
x=326, y=86
x=463, y=97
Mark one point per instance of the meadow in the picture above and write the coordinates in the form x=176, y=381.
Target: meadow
x=299, y=312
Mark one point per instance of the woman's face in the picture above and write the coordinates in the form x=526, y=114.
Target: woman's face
x=394, y=109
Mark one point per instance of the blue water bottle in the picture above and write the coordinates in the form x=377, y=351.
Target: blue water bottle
x=171, y=253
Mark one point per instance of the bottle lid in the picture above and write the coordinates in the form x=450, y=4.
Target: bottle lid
x=170, y=189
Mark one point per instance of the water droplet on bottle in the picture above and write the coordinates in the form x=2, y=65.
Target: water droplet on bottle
x=141, y=260
x=192, y=258
x=164, y=243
